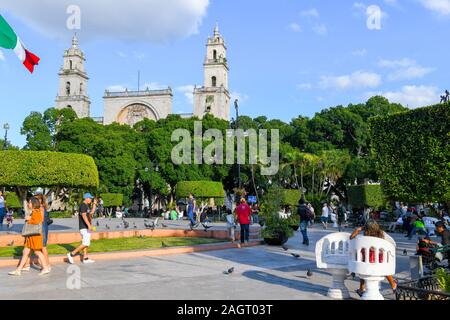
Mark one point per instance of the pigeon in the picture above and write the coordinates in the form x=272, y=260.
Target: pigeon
x=98, y=224
x=353, y=275
x=229, y=271
x=126, y=225
x=163, y=244
x=295, y=255
x=309, y=273
x=285, y=248
x=135, y=226
x=118, y=227
x=107, y=227
x=164, y=225
x=405, y=252
x=11, y=243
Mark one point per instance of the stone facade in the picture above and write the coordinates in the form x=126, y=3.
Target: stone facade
x=130, y=107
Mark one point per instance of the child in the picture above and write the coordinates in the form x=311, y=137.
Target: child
x=231, y=225
x=9, y=218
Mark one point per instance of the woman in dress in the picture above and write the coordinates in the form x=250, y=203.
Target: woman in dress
x=33, y=243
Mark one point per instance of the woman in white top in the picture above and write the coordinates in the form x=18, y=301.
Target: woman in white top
x=324, y=217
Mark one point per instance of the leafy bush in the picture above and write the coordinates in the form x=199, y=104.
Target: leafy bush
x=291, y=197
x=112, y=200
x=12, y=200
x=366, y=196
x=443, y=279
x=412, y=152
x=47, y=169
x=200, y=189
x=274, y=224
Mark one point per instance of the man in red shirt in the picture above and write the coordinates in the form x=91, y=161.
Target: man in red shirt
x=243, y=213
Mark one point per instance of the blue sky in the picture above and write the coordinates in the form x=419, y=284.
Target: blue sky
x=287, y=57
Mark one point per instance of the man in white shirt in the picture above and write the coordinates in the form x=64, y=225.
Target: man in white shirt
x=324, y=217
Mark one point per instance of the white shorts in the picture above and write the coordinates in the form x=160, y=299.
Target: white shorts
x=86, y=237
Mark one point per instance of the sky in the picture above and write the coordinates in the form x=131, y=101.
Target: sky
x=287, y=57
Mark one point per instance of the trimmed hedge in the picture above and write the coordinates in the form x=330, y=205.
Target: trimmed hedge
x=112, y=200
x=200, y=189
x=412, y=153
x=12, y=200
x=369, y=196
x=47, y=169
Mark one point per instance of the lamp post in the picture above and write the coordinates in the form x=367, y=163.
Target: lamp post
x=236, y=106
x=6, y=127
x=149, y=170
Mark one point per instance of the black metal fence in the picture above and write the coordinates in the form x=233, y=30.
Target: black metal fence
x=426, y=288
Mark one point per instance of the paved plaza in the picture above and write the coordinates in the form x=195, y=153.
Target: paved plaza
x=262, y=273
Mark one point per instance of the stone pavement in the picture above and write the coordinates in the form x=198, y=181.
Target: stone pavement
x=261, y=273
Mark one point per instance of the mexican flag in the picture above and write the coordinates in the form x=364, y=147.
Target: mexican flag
x=9, y=40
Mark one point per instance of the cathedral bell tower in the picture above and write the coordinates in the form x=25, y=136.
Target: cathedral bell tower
x=73, y=82
x=214, y=97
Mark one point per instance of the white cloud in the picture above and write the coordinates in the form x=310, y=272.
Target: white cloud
x=402, y=63
x=304, y=86
x=359, y=53
x=356, y=80
x=440, y=7
x=295, y=27
x=404, y=69
x=135, y=20
x=188, y=91
x=412, y=96
x=311, y=13
x=2, y=56
x=410, y=73
x=320, y=29
x=121, y=54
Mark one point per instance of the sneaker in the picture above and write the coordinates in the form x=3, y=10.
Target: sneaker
x=88, y=261
x=26, y=269
x=70, y=258
x=15, y=273
x=360, y=293
x=44, y=272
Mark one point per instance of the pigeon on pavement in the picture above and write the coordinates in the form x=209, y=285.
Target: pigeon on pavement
x=285, y=248
x=229, y=271
x=295, y=255
x=405, y=252
x=309, y=273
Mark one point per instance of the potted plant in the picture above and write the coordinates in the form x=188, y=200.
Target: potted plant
x=277, y=230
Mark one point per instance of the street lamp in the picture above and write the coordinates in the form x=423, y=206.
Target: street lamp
x=6, y=127
x=236, y=106
x=149, y=170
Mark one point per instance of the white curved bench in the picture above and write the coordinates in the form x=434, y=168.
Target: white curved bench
x=372, y=259
x=332, y=253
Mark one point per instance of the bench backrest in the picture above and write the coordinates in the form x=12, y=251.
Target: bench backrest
x=332, y=251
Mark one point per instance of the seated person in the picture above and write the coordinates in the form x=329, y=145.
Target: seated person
x=444, y=233
x=173, y=215
x=371, y=229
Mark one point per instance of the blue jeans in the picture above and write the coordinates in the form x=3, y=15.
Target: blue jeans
x=45, y=230
x=191, y=218
x=245, y=232
x=414, y=230
x=2, y=216
x=304, y=231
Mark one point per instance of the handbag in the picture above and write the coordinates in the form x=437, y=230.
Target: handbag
x=31, y=229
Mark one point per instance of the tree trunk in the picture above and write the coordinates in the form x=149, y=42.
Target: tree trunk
x=313, y=181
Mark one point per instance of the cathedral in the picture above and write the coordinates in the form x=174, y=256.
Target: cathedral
x=130, y=107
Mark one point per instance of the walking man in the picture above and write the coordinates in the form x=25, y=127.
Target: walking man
x=305, y=217
x=324, y=217
x=191, y=211
x=85, y=224
x=243, y=213
x=340, y=216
